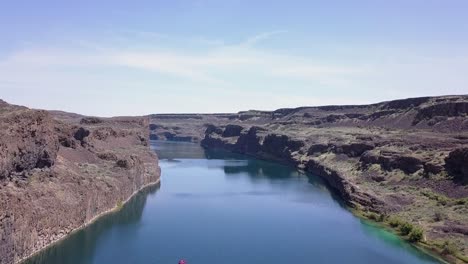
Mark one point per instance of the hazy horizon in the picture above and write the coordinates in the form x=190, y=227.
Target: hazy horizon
x=112, y=58
x=234, y=112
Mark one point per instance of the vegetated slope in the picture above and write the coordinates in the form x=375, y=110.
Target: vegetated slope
x=58, y=171
x=400, y=161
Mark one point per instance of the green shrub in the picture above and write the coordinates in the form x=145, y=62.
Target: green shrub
x=441, y=200
x=416, y=234
x=372, y=216
x=394, y=222
x=406, y=228
x=449, y=248
x=381, y=218
x=376, y=217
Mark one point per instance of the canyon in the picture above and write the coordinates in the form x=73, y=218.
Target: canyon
x=398, y=163
x=402, y=161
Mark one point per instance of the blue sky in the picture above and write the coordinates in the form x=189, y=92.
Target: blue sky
x=138, y=57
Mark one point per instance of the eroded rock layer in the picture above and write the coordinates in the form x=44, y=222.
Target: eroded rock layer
x=59, y=171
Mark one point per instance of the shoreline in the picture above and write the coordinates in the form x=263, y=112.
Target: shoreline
x=428, y=249
x=361, y=214
x=91, y=221
x=381, y=225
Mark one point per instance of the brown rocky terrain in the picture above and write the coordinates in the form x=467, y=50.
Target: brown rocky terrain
x=59, y=171
x=393, y=162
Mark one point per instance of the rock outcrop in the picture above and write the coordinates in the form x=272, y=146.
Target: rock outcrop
x=446, y=109
x=28, y=141
x=60, y=171
x=457, y=163
x=281, y=145
x=232, y=131
x=393, y=160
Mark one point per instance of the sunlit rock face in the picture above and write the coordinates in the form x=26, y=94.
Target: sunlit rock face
x=58, y=171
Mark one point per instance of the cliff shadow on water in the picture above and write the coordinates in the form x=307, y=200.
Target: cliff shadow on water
x=81, y=246
x=274, y=172
x=235, y=164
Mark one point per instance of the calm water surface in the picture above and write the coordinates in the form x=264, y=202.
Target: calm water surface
x=216, y=207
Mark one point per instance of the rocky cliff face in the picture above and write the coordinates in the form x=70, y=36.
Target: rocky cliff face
x=445, y=114
x=404, y=158
x=28, y=141
x=264, y=144
x=59, y=171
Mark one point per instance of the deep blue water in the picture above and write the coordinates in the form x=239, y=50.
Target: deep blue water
x=217, y=207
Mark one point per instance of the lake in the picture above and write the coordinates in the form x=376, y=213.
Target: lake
x=217, y=207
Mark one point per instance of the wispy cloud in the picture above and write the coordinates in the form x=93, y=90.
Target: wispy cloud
x=219, y=64
x=251, y=41
x=219, y=75
x=194, y=68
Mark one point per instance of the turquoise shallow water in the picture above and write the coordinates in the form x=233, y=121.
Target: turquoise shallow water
x=215, y=207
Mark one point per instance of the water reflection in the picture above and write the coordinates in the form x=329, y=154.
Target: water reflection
x=177, y=150
x=224, y=208
x=238, y=165
x=80, y=247
x=260, y=170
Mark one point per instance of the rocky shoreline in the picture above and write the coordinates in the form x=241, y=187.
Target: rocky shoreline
x=61, y=171
x=91, y=221
x=399, y=163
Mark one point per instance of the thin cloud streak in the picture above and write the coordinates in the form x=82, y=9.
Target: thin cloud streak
x=224, y=77
x=218, y=65
x=261, y=37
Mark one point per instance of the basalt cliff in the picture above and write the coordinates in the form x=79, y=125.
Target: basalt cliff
x=60, y=171
x=397, y=161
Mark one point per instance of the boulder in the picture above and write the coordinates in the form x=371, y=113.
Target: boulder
x=356, y=149
x=390, y=161
x=369, y=157
x=80, y=134
x=456, y=163
x=210, y=128
x=317, y=148
x=432, y=168
x=128, y=162
x=408, y=164
x=232, y=131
